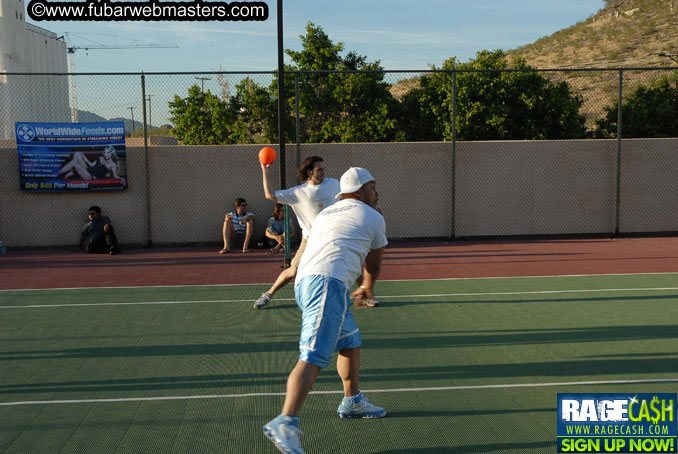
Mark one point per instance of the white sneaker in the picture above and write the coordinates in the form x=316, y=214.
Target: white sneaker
x=368, y=302
x=284, y=435
x=359, y=407
x=262, y=301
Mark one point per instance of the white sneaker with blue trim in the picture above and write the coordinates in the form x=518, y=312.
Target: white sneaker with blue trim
x=359, y=406
x=262, y=301
x=284, y=432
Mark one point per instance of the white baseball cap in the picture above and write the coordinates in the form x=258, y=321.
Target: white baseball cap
x=353, y=179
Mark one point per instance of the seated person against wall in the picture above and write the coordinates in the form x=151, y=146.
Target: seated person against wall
x=238, y=227
x=275, y=231
x=98, y=236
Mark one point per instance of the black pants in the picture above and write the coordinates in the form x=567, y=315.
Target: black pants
x=103, y=244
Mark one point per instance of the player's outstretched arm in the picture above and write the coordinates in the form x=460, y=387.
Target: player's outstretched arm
x=268, y=192
x=370, y=275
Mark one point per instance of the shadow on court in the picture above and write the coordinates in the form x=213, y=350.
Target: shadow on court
x=369, y=376
x=421, y=341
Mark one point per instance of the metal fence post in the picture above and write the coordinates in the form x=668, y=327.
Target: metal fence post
x=296, y=97
x=619, y=148
x=454, y=151
x=149, y=238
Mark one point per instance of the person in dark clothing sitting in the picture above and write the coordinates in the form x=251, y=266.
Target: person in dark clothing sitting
x=98, y=236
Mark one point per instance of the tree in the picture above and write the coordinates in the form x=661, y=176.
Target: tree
x=491, y=104
x=201, y=118
x=256, y=113
x=421, y=111
x=650, y=111
x=509, y=105
x=340, y=107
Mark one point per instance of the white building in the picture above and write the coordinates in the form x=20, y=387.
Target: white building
x=25, y=48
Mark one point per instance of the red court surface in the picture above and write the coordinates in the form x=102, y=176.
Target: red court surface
x=423, y=260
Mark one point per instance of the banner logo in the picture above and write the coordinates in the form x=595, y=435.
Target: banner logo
x=645, y=423
x=25, y=132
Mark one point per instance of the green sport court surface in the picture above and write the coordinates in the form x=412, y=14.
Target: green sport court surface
x=461, y=365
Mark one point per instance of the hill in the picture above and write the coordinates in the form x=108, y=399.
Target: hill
x=86, y=116
x=623, y=33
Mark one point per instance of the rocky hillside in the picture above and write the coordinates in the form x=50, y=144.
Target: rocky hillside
x=624, y=33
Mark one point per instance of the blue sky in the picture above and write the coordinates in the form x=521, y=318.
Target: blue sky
x=402, y=34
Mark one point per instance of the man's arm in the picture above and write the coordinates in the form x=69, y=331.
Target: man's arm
x=268, y=192
x=370, y=275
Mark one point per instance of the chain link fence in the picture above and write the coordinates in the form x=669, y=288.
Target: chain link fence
x=465, y=153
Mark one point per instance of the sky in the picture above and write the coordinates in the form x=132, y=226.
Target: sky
x=402, y=34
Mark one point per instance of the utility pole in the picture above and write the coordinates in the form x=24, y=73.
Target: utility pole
x=150, y=118
x=202, y=82
x=131, y=109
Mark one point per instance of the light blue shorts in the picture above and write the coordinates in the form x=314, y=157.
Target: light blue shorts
x=327, y=324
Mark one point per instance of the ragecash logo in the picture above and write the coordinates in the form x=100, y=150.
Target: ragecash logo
x=25, y=132
x=646, y=422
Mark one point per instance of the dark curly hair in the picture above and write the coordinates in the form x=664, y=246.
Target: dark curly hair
x=306, y=166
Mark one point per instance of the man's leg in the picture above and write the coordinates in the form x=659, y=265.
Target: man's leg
x=354, y=404
x=299, y=384
x=290, y=273
x=227, y=231
x=249, y=230
x=283, y=278
x=348, y=367
x=321, y=322
x=97, y=247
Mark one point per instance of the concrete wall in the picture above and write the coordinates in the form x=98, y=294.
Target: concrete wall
x=649, y=199
x=502, y=188
x=46, y=219
x=535, y=187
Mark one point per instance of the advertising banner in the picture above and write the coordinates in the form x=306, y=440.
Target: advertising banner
x=617, y=422
x=56, y=157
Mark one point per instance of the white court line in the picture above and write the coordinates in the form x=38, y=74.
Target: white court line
x=394, y=390
x=433, y=295
x=383, y=280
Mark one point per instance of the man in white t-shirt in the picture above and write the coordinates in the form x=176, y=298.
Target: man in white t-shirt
x=307, y=200
x=344, y=236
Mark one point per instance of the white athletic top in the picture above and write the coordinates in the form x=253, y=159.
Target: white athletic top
x=307, y=200
x=341, y=238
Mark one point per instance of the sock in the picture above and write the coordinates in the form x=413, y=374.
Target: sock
x=353, y=399
x=289, y=419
